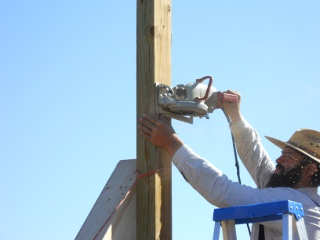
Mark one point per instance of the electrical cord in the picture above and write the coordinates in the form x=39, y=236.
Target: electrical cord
x=236, y=159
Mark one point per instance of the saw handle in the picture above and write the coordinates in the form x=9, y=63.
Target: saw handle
x=200, y=80
x=222, y=97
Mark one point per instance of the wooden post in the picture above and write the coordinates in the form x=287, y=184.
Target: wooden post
x=154, y=207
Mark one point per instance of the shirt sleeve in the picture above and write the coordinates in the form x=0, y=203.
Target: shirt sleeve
x=252, y=153
x=215, y=186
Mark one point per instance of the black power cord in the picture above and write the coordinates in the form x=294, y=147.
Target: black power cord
x=236, y=160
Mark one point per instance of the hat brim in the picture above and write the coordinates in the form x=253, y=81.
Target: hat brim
x=282, y=144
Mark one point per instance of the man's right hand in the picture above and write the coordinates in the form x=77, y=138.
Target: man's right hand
x=232, y=109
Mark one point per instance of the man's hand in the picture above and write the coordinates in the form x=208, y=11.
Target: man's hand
x=232, y=109
x=160, y=133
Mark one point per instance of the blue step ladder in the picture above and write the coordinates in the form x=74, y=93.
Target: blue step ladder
x=291, y=213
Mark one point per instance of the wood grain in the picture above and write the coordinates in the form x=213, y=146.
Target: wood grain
x=154, y=207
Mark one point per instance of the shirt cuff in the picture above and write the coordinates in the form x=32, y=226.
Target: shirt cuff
x=181, y=154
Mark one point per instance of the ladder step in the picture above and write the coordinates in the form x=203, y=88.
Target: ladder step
x=259, y=212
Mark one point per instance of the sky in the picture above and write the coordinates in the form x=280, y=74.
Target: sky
x=68, y=99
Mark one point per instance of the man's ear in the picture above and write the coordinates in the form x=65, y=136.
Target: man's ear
x=311, y=169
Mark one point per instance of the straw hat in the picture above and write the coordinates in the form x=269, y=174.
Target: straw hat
x=306, y=141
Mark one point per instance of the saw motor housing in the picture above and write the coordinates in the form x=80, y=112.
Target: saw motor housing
x=194, y=99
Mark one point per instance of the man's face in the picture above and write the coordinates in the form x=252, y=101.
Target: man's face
x=288, y=169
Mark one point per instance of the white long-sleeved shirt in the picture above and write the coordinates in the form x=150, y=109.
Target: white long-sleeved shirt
x=216, y=188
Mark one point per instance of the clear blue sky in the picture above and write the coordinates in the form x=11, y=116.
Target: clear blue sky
x=68, y=93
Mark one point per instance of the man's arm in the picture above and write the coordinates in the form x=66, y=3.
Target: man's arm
x=248, y=143
x=201, y=174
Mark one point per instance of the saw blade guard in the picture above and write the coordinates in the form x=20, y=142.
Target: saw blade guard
x=184, y=102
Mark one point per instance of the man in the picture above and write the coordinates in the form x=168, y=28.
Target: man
x=295, y=177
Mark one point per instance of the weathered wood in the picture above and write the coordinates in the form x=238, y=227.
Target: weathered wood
x=113, y=216
x=154, y=207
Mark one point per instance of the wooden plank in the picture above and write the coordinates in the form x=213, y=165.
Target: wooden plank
x=113, y=216
x=154, y=207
